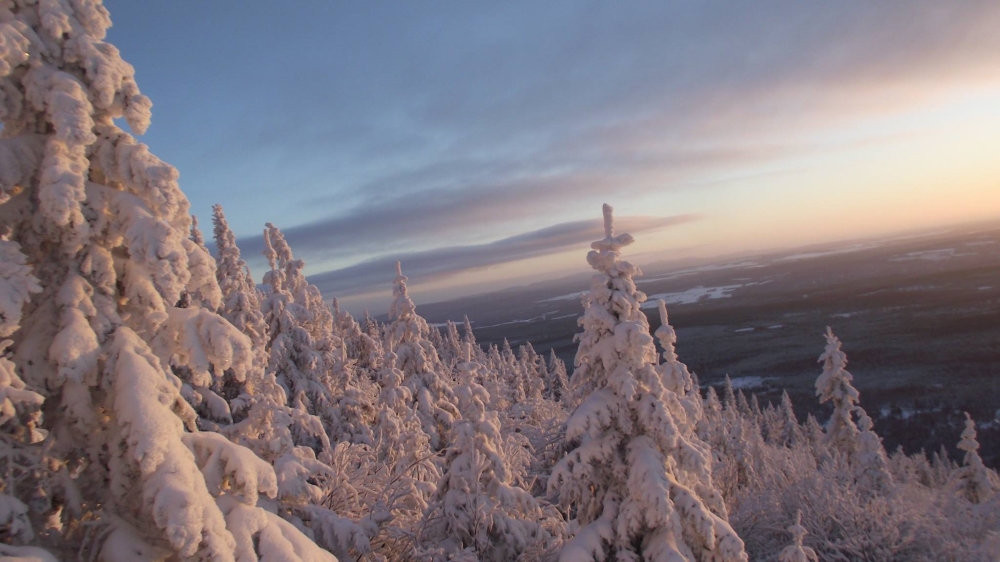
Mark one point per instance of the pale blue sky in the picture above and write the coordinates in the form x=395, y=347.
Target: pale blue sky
x=371, y=131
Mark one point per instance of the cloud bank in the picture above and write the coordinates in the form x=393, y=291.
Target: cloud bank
x=440, y=263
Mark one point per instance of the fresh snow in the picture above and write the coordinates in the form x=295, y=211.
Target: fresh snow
x=157, y=404
x=693, y=295
x=932, y=255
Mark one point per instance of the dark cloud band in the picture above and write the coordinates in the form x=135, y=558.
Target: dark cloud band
x=437, y=264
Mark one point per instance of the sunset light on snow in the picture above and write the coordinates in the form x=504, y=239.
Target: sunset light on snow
x=471, y=281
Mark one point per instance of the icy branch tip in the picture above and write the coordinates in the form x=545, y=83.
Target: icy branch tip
x=662, y=304
x=399, y=269
x=609, y=221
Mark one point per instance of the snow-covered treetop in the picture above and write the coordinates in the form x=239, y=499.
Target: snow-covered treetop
x=834, y=385
x=606, y=252
x=196, y=235
x=402, y=308
x=968, y=443
x=835, y=382
x=409, y=329
x=665, y=333
x=279, y=257
x=612, y=314
x=796, y=552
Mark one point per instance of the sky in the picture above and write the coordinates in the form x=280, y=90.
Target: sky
x=476, y=142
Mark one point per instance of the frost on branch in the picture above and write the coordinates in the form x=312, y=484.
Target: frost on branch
x=636, y=476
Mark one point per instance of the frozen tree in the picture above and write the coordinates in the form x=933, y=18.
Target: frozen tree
x=400, y=441
x=791, y=431
x=361, y=347
x=532, y=372
x=451, y=350
x=353, y=411
x=467, y=335
x=407, y=334
x=296, y=360
x=674, y=374
x=974, y=481
x=639, y=486
x=476, y=508
x=105, y=228
x=872, y=462
x=859, y=444
x=834, y=385
x=240, y=303
x=796, y=552
x=556, y=379
x=202, y=266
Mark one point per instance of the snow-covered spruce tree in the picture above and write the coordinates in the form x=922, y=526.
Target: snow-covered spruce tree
x=453, y=345
x=857, y=442
x=872, y=463
x=639, y=487
x=834, y=385
x=556, y=378
x=104, y=226
x=263, y=418
x=240, y=303
x=294, y=359
x=406, y=334
x=364, y=350
x=532, y=371
x=400, y=441
x=476, y=509
x=974, y=481
x=353, y=411
x=467, y=334
x=675, y=375
x=790, y=433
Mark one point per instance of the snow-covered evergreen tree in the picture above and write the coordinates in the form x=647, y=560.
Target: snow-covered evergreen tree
x=476, y=509
x=240, y=302
x=296, y=360
x=872, y=463
x=105, y=229
x=640, y=487
x=834, y=385
x=974, y=481
x=468, y=336
x=556, y=379
x=407, y=334
x=675, y=375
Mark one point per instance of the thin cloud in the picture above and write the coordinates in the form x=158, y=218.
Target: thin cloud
x=440, y=263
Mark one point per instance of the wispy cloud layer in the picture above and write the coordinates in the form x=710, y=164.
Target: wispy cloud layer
x=440, y=263
x=370, y=130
